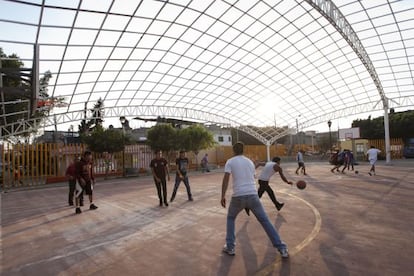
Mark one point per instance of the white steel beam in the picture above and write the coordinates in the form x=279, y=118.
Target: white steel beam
x=338, y=20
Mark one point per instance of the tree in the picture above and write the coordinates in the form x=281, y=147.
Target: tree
x=15, y=89
x=195, y=138
x=97, y=118
x=401, y=126
x=103, y=140
x=162, y=137
x=17, y=92
x=98, y=113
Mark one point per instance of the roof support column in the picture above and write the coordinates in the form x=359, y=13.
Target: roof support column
x=268, y=151
x=387, y=132
x=328, y=9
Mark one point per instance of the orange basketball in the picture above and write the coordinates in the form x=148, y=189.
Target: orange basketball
x=301, y=184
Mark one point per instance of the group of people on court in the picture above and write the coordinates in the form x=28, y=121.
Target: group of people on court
x=160, y=173
x=346, y=159
x=239, y=167
x=343, y=158
x=245, y=196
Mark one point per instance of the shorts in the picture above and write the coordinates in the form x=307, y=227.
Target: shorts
x=301, y=164
x=88, y=188
x=372, y=161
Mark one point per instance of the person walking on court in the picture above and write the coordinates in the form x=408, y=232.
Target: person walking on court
x=181, y=175
x=244, y=196
x=159, y=168
x=86, y=181
x=204, y=164
x=270, y=168
x=351, y=160
x=372, y=155
x=301, y=163
x=347, y=160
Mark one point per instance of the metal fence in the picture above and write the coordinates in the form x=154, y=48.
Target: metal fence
x=24, y=165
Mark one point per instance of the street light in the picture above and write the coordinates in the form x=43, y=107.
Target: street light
x=123, y=120
x=330, y=136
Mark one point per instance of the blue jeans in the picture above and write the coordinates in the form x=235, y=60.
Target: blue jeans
x=253, y=203
x=177, y=184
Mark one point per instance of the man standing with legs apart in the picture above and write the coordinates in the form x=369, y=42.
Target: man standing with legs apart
x=372, y=155
x=159, y=168
x=244, y=196
x=204, y=164
x=181, y=175
x=86, y=180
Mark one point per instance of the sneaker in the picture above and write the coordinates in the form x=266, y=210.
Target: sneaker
x=81, y=203
x=93, y=207
x=284, y=252
x=78, y=210
x=190, y=199
x=279, y=206
x=370, y=173
x=228, y=251
x=166, y=204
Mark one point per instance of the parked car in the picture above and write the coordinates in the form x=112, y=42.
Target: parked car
x=408, y=151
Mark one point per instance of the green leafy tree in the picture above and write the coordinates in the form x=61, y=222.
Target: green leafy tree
x=97, y=118
x=17, y=92
x=15, y=89
x=162, y=137
x=103, y=140
x=196, y=138
x=98, y=113
x=401, y=126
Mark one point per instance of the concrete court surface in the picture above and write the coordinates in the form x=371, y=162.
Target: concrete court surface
x=341, y=224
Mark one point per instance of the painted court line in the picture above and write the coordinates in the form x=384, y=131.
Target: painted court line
x=292, y=251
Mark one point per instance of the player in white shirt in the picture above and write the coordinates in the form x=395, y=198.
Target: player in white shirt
x=270, y=168
x=372, y=155
x=244, y=196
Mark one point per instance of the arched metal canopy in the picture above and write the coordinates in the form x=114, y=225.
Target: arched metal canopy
x=240, y=63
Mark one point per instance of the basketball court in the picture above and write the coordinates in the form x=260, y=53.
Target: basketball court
x=341, y=224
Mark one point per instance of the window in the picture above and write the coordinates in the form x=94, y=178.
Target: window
x=360, y=148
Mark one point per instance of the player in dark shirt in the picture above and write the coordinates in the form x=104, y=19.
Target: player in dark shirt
x=86, y=180
x=159, y=168
x=181, y=175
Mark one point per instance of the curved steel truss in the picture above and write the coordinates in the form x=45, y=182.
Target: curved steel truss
x=255, y=65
